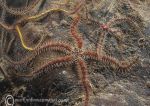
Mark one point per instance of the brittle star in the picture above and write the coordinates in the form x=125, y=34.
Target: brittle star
x=16, y=26
x=5, y=46
x=75, y=54
x=117, y=34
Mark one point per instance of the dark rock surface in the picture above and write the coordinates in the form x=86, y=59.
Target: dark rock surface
x=110, y=87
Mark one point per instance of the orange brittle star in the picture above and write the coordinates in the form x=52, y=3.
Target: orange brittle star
x=75, y=55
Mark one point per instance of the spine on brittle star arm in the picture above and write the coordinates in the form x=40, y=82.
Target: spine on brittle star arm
x=47, y=67
x=83, y=74
x=73, y=29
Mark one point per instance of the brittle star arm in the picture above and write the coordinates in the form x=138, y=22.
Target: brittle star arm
x=101, y=43
x=19, y=11
x=83, y=75
x=5, y=26
x=80, y=62
x=119, y=65
x=39, y=16
x=75, y=34
x=10, y=44
x=49, y=46
x=55, y=46
x=34, y=18
x=118, y=36
x=61, y=61
x=129, y=21
x=23, y=42
x=46, y=12
x=45, y=68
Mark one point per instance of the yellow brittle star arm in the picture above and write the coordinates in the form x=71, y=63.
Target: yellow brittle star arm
x=32, y=18
x=21, y=38
x=52, y=10
x=46, y=12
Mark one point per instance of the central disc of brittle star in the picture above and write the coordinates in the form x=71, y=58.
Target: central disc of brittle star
x=76, y=52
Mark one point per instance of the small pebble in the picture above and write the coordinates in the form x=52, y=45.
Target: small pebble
x=148, y=84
